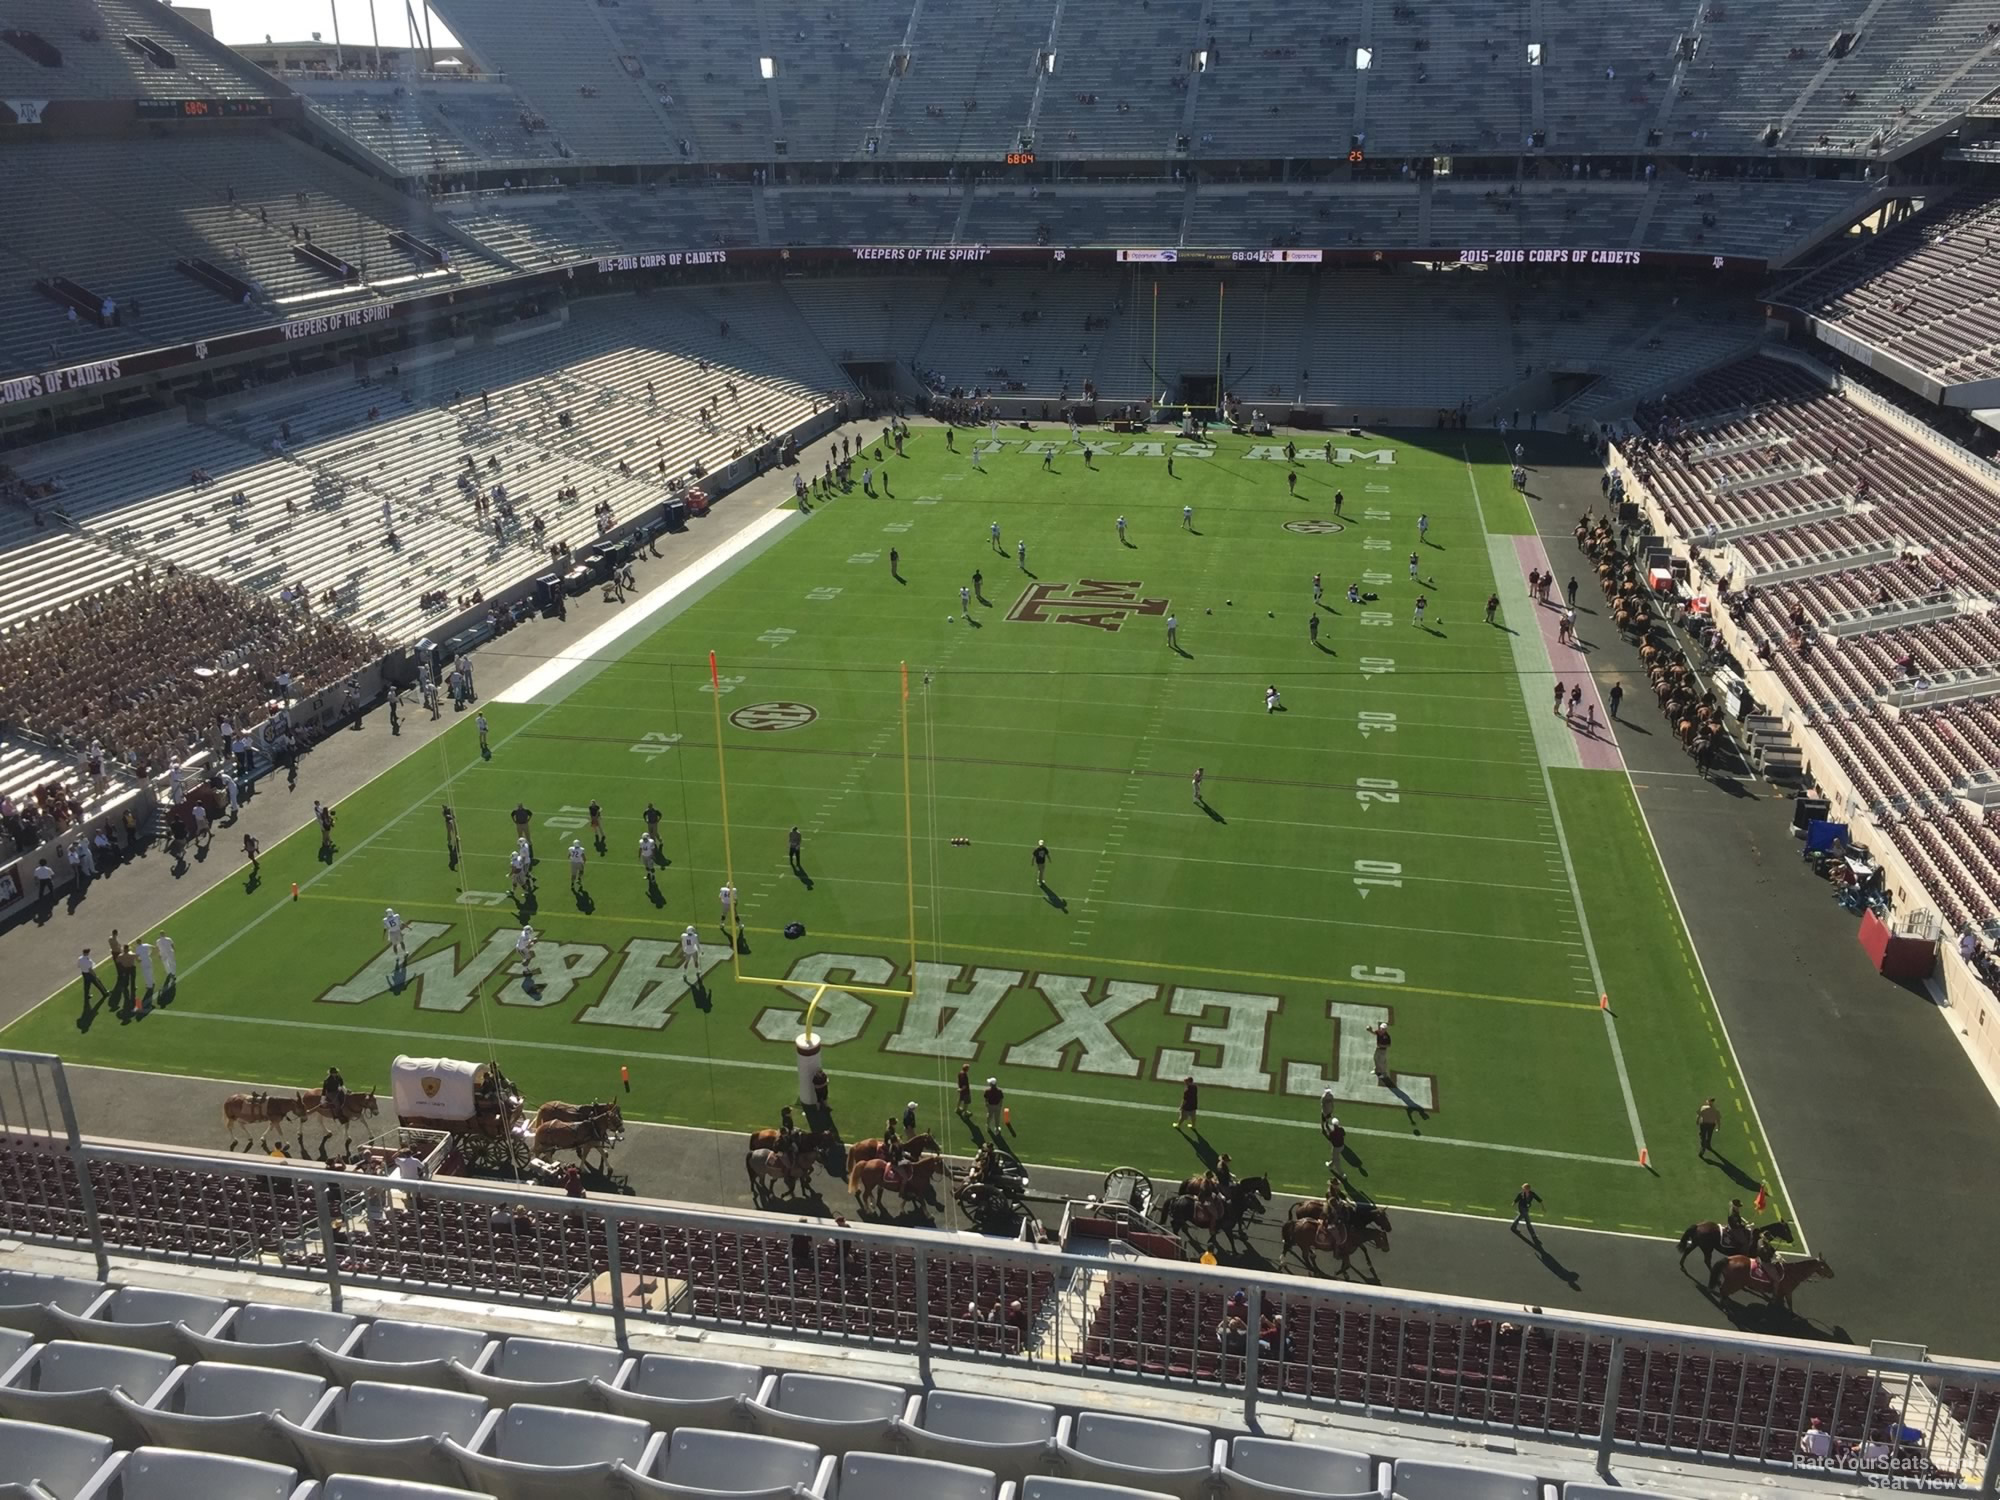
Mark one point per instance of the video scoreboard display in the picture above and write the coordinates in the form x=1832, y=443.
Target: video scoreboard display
x=204, y=109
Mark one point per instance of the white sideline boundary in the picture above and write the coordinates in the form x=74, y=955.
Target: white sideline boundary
x=536, y=686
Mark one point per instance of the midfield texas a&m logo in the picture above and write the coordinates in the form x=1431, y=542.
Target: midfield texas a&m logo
x=1103, y=603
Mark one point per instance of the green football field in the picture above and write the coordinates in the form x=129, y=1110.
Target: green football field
x=1389, y=848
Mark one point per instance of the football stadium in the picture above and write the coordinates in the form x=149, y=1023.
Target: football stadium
x=1281, y=782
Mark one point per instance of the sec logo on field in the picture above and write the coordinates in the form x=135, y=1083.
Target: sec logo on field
x=1314, y=528
x=771, y=718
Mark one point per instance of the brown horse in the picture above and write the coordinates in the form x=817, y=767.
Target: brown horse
x=248, y=1111
x=556, y=1109
x=765, y=1165
x=814, y=1141
x=1308, y=1235
x=353, y=1105
x=1368, y=1215
x=1707, y=1238
x=923, y=1143
x=912, y=1183
x=581, y=1136
x=1740, y=1273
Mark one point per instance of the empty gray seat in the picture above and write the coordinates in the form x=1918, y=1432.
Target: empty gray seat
x=887, y=1476
x=14, y=1342
x=65, y=1464
x=263, y=1333
x=553, y=1453
x=670, y=1390
x=1052, y=1487
x=369, y=1487
x=142, y=1317
x=1425, y=1481
x=699, y=1463
x=1254, y=1468
x=27, y=1296
x=386, y=1431
x=170, y=1474
x=1166, y=1456
x=217, y=1408
x=70, y=1385
x=1012, y=1438
x=400, y=1353
x=833, y=1414
x=544, y=1372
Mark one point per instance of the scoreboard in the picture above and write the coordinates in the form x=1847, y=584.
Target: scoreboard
x=203, y=109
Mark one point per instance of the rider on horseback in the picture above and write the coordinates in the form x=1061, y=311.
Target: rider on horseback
x=1738, y=1238
x=1223, y=1177
x=891, y=1149
x=788, y=1135
x=333, y=1093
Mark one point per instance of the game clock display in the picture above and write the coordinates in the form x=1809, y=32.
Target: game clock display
x=1020, y=158
x=204, y=109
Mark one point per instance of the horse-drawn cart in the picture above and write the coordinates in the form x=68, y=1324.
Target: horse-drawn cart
x=473, y=1102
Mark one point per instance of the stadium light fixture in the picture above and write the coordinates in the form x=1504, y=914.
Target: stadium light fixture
x=1534, y=54
x=767, y=68
x=1364, y=59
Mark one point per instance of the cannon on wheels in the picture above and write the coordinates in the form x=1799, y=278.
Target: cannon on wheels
x=994, y=1193
x=474, y=1103
x=1128, y=1187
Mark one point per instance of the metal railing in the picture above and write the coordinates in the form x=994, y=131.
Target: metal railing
x=1607, y=1386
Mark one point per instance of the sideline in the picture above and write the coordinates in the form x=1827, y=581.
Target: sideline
x=690, y=1141
x=537, y=685
x=901, y=1080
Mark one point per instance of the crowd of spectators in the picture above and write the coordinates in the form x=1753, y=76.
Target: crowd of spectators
x=143, y=672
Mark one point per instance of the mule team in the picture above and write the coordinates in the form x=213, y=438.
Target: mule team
x=587, y=1129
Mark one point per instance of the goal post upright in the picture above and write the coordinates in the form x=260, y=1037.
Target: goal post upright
x=722, y=789
x=909, y=833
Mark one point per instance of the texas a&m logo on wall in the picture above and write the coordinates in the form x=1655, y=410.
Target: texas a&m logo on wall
x=1102, y=603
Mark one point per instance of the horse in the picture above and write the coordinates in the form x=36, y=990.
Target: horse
x=580, y=1136
x=353, y=1104
x=1707, y=1238
x=1364, y=1215
x=912, y=1181
x=923, y=1143
x=813, y=1141
x=765, y=1165
x=1739, y=1273
x=1185, y=1212
x=1307, y=1235
x=251, y=1110
x=1235, y=1203
x=555, y=1109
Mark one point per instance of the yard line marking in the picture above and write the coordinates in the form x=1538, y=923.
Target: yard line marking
x=902, y=1080
x=1544, y=843
x=1596, y=974
x=1527, y=801
x=1223, y=911
x=988, y=730
x=498, y=857
x=1321, y=981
